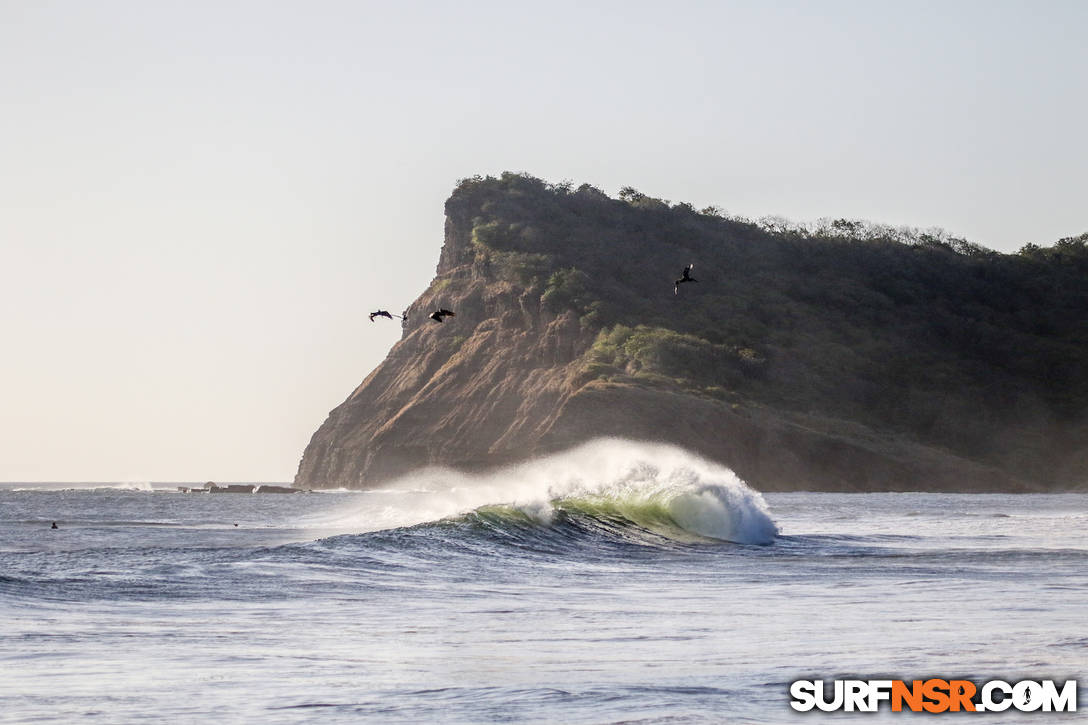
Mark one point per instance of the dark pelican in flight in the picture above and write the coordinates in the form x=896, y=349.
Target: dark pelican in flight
x=441, y=314
x=686, y=278
x=382, y=313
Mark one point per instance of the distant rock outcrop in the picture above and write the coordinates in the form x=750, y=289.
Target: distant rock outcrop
x=213, y=487
x=840, y=358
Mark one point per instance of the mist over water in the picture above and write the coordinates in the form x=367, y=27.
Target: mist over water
x=655, y=486
x=615, y=582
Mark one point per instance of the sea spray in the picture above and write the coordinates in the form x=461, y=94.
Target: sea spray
x=541, y=614
x=660, y=488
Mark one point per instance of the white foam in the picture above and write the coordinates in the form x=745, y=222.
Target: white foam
x=703, y=497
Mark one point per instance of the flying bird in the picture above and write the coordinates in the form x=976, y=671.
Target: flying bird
x=381, y=313
x=685, y=278
x=441, y=314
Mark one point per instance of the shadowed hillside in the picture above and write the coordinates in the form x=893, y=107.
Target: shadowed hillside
x=847, y=356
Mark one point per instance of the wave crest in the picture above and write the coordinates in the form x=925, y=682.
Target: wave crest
x=659, y=488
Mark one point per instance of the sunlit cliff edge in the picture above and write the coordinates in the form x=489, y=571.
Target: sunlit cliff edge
x=845, y=356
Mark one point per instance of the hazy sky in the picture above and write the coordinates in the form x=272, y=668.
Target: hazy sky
x=200, y=201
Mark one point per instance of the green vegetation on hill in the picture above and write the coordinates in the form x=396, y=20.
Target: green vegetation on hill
x=915, y=333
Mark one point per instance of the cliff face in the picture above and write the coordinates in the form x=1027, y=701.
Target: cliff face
x=545, y=352
x=480, y=389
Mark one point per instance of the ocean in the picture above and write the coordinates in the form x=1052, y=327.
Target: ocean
x=618, y=582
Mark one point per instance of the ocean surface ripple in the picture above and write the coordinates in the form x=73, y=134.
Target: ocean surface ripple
x=616, y=582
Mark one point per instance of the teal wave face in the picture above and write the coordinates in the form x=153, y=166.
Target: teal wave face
x=678, y=514
x=622, y=488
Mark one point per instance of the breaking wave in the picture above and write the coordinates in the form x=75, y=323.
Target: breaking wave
x=615, y=485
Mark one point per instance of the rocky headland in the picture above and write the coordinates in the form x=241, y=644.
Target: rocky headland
x=842, y=357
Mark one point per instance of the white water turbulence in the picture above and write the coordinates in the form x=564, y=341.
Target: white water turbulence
x=580, y=588
x=653, y=487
